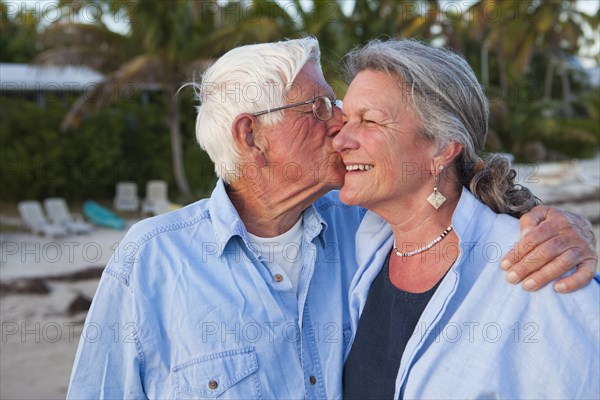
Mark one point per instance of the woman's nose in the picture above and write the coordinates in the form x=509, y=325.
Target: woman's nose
x=344, y=140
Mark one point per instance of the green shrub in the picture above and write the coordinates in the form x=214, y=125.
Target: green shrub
x=129, y=140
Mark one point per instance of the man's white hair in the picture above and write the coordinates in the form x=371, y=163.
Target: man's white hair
x=247, y=79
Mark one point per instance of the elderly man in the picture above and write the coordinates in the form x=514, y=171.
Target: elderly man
x=244, y=295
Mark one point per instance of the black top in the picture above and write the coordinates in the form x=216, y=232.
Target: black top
x=386, y=324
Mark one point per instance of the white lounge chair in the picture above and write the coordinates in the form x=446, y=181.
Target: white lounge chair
x=126, y=197
x=33, y=216
x=58, y=212
x=157, y=201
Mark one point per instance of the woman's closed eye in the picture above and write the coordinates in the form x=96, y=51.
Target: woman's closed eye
x=372, y=118
x=369, y=122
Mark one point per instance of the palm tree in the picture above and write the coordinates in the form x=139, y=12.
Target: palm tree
x=168, y=43
x=553, y=28
x=153, y=53
x=394, y=18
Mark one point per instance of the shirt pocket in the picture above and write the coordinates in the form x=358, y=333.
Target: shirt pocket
x=229, y=374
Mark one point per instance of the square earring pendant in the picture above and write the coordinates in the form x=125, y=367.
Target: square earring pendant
x=436, y=199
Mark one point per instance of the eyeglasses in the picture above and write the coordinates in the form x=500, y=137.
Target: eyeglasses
x=322, y=107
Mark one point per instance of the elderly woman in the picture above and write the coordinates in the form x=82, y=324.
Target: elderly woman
x=430, y=314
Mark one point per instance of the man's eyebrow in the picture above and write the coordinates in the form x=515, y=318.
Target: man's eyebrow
x=327, y=93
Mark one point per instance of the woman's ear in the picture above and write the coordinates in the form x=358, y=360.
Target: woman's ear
x=244, y=133
x=446, y=155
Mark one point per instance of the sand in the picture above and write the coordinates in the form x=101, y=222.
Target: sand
x=39, y=341
x=40, y=335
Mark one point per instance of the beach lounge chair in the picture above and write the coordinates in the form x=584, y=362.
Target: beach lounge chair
x=156, y=201
x=58, y=212
x=33, y=216
x=126, y=197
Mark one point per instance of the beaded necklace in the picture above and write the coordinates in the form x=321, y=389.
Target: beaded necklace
x=424, y=248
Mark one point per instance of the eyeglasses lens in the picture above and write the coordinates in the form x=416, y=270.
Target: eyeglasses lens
x=322, y=108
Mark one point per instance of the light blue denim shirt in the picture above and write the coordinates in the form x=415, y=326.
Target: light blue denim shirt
x=186, y=308
x=480, y=337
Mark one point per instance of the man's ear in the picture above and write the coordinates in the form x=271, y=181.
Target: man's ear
x=244, y=133
x=446, y=155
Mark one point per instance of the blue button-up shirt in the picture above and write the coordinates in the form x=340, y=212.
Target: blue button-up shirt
x=187, y=308
x=479, y=336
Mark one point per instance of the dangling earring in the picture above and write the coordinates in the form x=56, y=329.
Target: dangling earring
x=436, y=199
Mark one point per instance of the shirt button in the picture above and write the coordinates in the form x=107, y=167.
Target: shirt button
x=312, y=380
x=212, y=384
x=278, y=277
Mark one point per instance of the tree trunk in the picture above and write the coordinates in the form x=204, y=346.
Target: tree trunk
x=176, y=145
x=485, y=69
x=548, y=78
x=566, y=88
x=502, y=70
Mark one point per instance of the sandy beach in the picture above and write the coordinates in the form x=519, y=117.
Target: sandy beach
x=39, y=331
x=42, y=325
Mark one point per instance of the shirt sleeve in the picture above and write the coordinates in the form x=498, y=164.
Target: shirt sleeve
x=110, y=360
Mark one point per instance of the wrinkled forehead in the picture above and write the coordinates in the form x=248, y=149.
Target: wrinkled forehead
x=374, y=87
x=393, y=80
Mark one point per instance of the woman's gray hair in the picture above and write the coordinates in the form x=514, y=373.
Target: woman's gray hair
x=247, y=79
x=450, y=103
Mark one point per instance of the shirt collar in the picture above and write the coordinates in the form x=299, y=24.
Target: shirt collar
x=226, y=221
x=462, y=219
x=376, y=231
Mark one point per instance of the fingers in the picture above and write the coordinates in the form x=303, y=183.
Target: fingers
x=580, y=278
x=552, y=259
x=533, y=218
x=552, y=243
x=556, y=268
x=547, y=262
x=528, y=243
